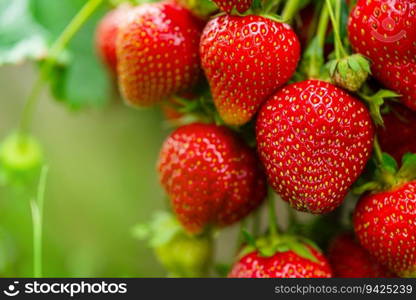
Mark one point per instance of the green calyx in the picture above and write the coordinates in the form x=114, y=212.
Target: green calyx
x=181, y=254
x=349, y=72
x=20, y=156
x=387, y=174
x=269, y=245
x=375, y=102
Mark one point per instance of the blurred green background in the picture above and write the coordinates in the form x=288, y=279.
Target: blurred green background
x=101, y=182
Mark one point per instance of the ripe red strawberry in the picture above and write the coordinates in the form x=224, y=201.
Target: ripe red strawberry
x=384, y=31
x=286, y=264
x=246, y=59
x=211, y=177
x=385, y=224
x=314, y=140
x=228, y=5
x=106, y=35
x=397, y=137
x=349, y=260
x=157, y=53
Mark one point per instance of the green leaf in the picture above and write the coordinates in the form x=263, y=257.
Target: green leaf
x=250, y=240
x=389, y=163
x=21, y=37
x=302, y=250
x=343, y=68
x=376, y=101
x=353, y=63
x=82, y=80
x=408, y=169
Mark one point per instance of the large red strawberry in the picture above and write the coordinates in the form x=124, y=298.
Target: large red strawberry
x=385, y=224
x=210, y=176
x=157, y=51
x=384, y=31
x=349, y=260
x=398, y=136
x=282, y=264
x=314, y=140
x=107, y=32
x=228, y=5
x=246, y=59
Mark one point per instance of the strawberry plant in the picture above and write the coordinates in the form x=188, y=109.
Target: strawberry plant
x=264, y=101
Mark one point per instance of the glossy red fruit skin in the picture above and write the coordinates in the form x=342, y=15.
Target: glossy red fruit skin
x=281, y=265
x=228, y=5
x=157, y=51
x=314, y=140
x=211, y=177
x=245, y=60
x=384, y=31
x=385, y=225
x=397, y=137
x=106, y=35
x=349, y=260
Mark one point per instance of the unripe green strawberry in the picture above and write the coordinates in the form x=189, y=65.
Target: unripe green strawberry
x=180, y=254
x=20, y=156
x=350, y=72
x=186, y=256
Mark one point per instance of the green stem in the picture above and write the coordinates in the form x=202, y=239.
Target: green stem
x=272, y=6
x=317, y=58
x=37, y=219
x=274, y=233
x=387, y=177
x=290, y=10
x=378, y=152
x=339, y=48
x=322, y=27
x=292, y=217
x=256, y=223
x=56, y=49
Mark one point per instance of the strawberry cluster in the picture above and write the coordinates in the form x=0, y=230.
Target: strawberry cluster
x=255, y=109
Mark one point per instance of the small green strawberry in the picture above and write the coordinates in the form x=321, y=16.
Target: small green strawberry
x=181, y=255
x=349, y=72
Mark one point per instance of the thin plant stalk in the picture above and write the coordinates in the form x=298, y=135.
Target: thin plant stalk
x=37, y=206
x=56, y=49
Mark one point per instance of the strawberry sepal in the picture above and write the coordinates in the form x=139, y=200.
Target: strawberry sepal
x=349, y=72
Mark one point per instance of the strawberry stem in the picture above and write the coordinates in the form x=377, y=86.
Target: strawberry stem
x=290, y=10
x=386, y=176
x=256, y=223
x=377, y=151
x=272, y=6
x=274, y=233
x=315, y=51
x=37, y=220
x=56, y=49
x=335, y=19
